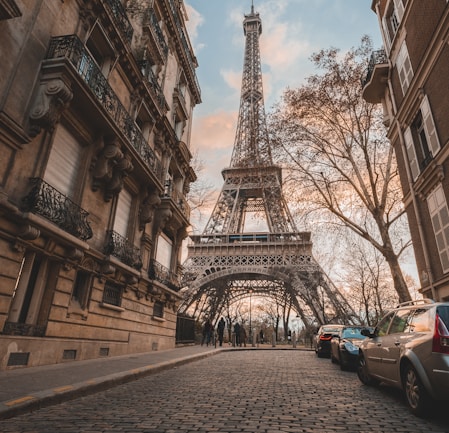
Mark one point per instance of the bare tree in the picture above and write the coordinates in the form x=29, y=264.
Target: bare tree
x=201, y=194
x=334, y=145
x=368, y=282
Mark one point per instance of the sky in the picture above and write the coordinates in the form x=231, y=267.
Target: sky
x=292, y=30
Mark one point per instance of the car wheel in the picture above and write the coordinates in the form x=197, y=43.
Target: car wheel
x=363, y=374
x=416, y=395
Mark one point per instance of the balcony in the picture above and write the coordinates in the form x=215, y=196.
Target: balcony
x=46, y=201
x=122, y=249
x=185, y=45
x=162, y=274
x=151, y=24
x=120, y=18
x=375, y=82
x=72, y=49
x=155, y=88
x=177, y=198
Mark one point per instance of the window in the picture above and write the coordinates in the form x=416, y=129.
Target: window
x=384, y=324
x=439, y=214
x=421, y=139
x=421, y=321
x=164, y=250
x=112, y=294
x=400, y=322
x=33, y=294
x=64, y=162
x=81, y=288
x=158, y=309
x=392, y=20
x=100, y=49
x=404, y=67
x=122, y=213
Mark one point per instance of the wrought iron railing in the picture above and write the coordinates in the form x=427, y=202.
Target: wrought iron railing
x=112, y=294
x=120, y=18
x=187, y=49
x=160, y=273
x=150, y=78
x=378, y=57
x=157, y=30
x=48, y=202
x=72, y=49
x=177, y=197
x=121, y=248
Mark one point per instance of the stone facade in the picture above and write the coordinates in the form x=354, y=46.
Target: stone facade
x=95, y=122
x=408, y=77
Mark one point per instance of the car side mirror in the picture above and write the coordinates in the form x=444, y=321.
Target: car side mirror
x=366, y=332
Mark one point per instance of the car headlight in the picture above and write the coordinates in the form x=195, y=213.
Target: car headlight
x=351, y=348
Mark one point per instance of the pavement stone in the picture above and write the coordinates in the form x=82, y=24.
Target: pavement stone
x=234, y=391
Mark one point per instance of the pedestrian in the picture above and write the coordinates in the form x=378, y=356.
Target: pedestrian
x=220, y=330
x=242, y=335
x=237, y=334
x=261, y=336
x=289, y=337
x=207, y=332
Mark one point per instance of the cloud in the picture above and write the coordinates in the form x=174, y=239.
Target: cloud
x=193, y=23
x=232, y=78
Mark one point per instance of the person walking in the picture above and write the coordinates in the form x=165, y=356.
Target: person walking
x=220, y=330
x=242, y=335
x=207, y=332
x=237, y=334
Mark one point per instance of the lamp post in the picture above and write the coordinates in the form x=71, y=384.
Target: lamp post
x=250, y=329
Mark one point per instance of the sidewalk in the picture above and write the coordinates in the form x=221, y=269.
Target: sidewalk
x=25, y=390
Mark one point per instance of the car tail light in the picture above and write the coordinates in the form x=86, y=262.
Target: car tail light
x=440, y=342
x=325, y=337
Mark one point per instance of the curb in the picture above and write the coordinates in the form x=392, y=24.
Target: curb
x=49, y=397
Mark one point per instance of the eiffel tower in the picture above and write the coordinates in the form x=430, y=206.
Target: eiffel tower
x=227, y=262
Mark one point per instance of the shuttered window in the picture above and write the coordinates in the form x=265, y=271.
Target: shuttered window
x=439, y=215
x=404, y=66
x=429, y=127
x=411, y=154
x=122, y=213
x=164, y=251
x=64, y=162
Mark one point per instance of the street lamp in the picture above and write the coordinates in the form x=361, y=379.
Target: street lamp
x=250, y=329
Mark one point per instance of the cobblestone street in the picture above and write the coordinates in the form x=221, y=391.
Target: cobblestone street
x=268, y=391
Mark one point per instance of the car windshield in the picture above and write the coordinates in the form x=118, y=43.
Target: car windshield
x=352, y=333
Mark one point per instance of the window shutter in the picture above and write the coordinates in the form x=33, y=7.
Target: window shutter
x=122, y=213
x=64, y=162
x=164, y=251
x=399, y=6
x=404, y=66
x=386, y=34
x=411, y=154
x=429, y=127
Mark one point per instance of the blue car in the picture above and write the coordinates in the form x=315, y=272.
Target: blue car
x=345, y=346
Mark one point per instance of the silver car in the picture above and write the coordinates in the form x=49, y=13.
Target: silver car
x=409, y=349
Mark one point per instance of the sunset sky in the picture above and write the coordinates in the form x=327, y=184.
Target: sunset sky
x=291, y=31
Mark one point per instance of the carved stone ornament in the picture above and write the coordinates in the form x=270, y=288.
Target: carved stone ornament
x=52, y=97
x=149, y=204
x=110, y=168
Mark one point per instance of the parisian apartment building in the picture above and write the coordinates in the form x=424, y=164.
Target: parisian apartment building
x=408, y=76
x=96, y=102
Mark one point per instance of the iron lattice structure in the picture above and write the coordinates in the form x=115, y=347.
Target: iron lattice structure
x=227, y=263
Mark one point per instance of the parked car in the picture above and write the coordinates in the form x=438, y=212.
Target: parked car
x=323, y=339
x=345, y=346
x=409, y=349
